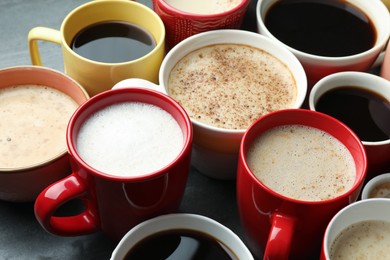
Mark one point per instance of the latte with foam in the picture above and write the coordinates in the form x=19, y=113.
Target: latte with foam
x=363, y=240
x=129, y=139
x=231, y=85
x=33, y=124
x=302, y=163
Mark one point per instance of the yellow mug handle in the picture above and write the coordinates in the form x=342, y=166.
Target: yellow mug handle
x=41, y=34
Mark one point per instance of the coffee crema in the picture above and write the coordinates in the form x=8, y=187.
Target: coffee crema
x=366, y=112
x=302, y=163
x=178, y=244
x=363, y=240
x=129, y=139
x=231, y=85
x=204, y=6
x=113, y=42
x=332, y=28
x=33, y=124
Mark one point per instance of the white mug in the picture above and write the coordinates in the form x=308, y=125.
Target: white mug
x=182, y=221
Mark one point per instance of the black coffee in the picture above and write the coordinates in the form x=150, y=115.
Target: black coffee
x=113, y=42
x=332, y=28
x=365, y=112
x=180, y=245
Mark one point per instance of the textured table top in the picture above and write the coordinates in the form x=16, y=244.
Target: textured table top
x=21, y=236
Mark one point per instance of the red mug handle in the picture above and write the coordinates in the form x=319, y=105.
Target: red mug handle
x=280, y=236
x=57, y=194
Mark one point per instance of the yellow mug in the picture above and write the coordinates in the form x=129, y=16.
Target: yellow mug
x=93, y=75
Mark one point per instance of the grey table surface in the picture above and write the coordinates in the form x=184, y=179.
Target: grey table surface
x=21, y=236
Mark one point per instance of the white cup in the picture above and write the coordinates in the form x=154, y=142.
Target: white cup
x=317, y=66
x=364, y=210
x=376, y=183
x=215, y=150
x=182, y=221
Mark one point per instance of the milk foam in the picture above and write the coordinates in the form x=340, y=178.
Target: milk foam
x=231, y=85
x=302, y=162
x=204, y=6
x=33, y=124
x=129, y=139
x=363, y=240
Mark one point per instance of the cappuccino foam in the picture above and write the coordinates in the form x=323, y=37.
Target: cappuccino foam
x=380, y=191
x=129, y=139
x=302, y=163
x=33, y=124
x=204, y=6
x=231, y=85
x=363, y=240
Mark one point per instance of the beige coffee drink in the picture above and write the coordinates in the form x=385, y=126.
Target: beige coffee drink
x=33, y=124
x=204, y=6
x=231, y=85
x=302, y=163
x=381, y=190
x=363, y=240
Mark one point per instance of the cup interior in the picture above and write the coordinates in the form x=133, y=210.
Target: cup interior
x=375, y=10
x=312, y=119
x=373, y=183
x=182, y=221
x=100, y=11
x=234, y=37
x=42, y=76
x=111, y=97
x=372, y=209
x=360, y=80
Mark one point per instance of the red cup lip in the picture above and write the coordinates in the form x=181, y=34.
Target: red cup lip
x=101, y=96
x=170, y=9
x=358, y=182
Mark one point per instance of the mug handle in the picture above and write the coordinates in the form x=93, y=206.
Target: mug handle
x=280, y=237
x=41, y=34
x=136, y=82
x=57, y=194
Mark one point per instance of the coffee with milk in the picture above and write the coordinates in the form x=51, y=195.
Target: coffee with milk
x=301, y=162
x=34, y=120
x=231, y=85
x=129, y=139
x=368, y=239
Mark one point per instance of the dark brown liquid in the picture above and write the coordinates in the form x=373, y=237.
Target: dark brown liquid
x=332, y=28
x=113, y=42
x=180, y=245
x=365, y=112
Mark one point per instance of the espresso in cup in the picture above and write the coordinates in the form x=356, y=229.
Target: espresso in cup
x=204, y=6
x=130, y=139
x=113, y=42
x=332, y=28
x=34, y=118
x=231, y=85
x=301, y=162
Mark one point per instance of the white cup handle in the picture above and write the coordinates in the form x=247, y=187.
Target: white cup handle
x=136, y=82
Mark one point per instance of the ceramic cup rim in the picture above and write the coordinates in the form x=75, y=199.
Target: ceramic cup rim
x=381, y=41
x=189, y=221
x=357, y=79
x=235, y=37
x=379, y=179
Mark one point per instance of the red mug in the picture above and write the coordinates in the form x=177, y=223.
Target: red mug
x=113, y=203
x=281, y=227
x=181, y=24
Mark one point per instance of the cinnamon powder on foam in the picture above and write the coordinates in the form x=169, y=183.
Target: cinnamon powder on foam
x=231, y=85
